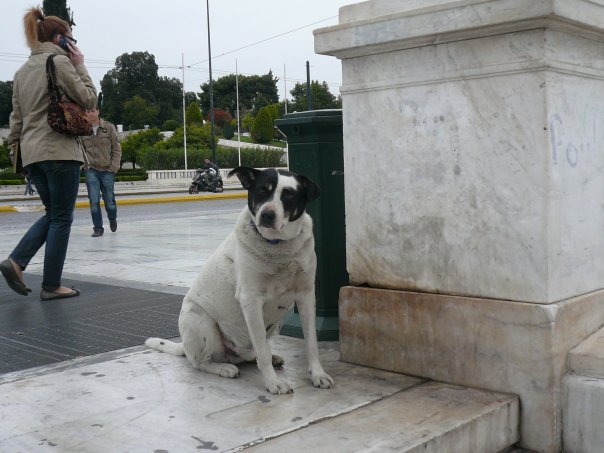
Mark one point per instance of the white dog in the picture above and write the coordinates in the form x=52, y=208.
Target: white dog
x=255, y=276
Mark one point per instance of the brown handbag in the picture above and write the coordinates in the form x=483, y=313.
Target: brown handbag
x=64, y=116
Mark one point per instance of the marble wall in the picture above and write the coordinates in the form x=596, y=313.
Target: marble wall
x=473, y=144
x=487, y=151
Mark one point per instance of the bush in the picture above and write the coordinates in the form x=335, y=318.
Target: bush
x=8, y=175
x=197, y=137
x=228, y=131
x=169, y=125
x=262, y=130
x=5, y=161
x=226, y=157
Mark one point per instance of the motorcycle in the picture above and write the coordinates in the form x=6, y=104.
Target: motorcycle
x=206, y=180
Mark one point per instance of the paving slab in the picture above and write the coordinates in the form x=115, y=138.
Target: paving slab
x=142, y=400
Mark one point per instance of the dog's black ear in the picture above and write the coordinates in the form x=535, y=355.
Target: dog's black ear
x=246, y=175
x=310, y=187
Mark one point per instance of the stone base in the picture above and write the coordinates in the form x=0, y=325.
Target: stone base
x=498, y=345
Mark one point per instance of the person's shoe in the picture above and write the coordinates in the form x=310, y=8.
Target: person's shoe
x=50, y=295
x=113, y=225
x=97, y=232
x=12, y=279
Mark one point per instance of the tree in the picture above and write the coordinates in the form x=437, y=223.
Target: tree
x=139, y=113
x=225, y=93
x=221, y=117
x=262, y=130
x=58, y=8
x=135, y=74
x=133, y=144
x=194, y=115
x=321, y=97
x=6, y=102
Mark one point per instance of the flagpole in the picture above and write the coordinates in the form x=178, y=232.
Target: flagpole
x=238, y=130
x=184, y=116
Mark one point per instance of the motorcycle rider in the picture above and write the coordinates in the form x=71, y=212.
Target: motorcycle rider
x=210, y=167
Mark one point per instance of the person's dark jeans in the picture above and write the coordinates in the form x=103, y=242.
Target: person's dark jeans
x=101, y=182
x=57, y=183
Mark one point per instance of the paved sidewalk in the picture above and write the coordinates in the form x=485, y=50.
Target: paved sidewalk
x=141, y=400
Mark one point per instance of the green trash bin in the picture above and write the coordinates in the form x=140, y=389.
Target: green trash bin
x=315, y=148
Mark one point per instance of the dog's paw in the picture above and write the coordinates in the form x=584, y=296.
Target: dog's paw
x=279, y=387
x=228, y=370
x=322, y=380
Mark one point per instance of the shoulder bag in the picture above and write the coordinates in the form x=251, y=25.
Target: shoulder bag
x=64, y=115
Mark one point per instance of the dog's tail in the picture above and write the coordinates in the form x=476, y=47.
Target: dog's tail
x=165, y=346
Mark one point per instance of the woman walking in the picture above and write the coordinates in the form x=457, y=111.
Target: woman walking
x=52, y=159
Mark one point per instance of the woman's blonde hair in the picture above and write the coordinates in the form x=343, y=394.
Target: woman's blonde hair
x=39, y=28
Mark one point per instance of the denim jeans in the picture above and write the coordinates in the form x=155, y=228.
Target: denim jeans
x=101, y=182
x=57, y=183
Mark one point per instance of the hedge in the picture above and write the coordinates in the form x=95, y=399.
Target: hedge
x=226, y=157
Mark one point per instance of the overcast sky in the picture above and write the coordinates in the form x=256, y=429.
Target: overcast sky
x=167, y=29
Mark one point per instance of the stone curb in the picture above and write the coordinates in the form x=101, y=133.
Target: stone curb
x=132, y=201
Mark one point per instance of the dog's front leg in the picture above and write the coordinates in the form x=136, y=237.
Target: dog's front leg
x=252, y=310
x=307, y=312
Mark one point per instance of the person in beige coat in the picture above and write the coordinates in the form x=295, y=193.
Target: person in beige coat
x=104, y=153
x=52, y=160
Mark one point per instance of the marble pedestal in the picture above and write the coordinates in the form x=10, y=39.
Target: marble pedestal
x=473, y=155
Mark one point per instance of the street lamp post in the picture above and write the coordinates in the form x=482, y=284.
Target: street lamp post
x=211, y=85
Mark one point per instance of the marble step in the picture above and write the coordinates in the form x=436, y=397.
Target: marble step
x=583, y=410
x=587, y=358
x=430, y=417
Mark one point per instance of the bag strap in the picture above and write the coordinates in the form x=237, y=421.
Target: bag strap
x=51, y=74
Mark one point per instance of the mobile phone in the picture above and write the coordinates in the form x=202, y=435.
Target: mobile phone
x=63, y=43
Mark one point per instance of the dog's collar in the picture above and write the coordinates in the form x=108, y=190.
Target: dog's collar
x=270, y=241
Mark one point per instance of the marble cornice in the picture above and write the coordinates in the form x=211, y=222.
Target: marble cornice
x=459, y=21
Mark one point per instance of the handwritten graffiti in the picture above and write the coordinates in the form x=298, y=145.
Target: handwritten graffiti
x=571, y=143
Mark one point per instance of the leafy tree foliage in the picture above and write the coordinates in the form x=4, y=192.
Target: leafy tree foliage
x=321, y=97
x=135, y=74
x=259, y=102
x=58, y=8
x=5, y=161
x=262, y=131
x=138, y=113
x=198, y=136
x=225, y=95
x=247, y=122
x=6, y=101
x=133, y=143
x=194, y=115
x=221, y=117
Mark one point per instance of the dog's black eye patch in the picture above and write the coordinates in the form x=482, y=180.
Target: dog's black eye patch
x=288, y=194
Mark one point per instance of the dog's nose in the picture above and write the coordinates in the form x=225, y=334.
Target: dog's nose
x=267, y=218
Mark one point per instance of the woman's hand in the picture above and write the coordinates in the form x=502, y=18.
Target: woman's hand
x=75, y=54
